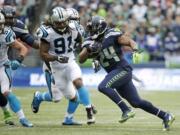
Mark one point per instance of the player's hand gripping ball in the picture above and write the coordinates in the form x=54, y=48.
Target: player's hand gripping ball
x=94, y=49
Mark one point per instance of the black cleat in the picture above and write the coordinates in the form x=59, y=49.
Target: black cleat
x=90, y=117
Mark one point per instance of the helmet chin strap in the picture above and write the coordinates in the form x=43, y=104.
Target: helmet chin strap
x=62, y=30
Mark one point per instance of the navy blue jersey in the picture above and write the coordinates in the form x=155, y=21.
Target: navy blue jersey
x=22, y=32
x=111, y=55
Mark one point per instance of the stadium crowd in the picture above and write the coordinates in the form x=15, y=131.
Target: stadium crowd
x=153, y=24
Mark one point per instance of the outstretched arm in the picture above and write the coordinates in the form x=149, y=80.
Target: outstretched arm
x=127, y=43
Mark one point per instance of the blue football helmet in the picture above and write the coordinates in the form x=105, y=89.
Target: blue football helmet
x=96, y=26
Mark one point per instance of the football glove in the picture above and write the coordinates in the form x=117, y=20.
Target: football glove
x=136, y=57
x=94, y=49
x=15, y=64
x=96, y=65
x=62, y=59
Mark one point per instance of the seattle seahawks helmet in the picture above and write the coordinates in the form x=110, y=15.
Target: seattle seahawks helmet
x=2, y=22
x=59, y=19
x=96, y=26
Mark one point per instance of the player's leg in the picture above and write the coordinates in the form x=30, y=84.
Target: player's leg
x=43, y=96
x=108, y=86
x=130, y=93
x=67, y=89
x=14, y=103
x=6, y=112
x=84, y=96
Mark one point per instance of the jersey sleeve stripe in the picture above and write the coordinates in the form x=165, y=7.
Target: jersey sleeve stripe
x=113, y=34
x=45, y=33
x=20, y=30
x=9, y=35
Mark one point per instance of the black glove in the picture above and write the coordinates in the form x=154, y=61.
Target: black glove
x=62, y=59
x=94, y=49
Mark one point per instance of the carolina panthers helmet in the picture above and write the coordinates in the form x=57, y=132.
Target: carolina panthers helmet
x=2, y=22
x=59, y=19
x=9, y=13
x=73, y=14
x=96, y=26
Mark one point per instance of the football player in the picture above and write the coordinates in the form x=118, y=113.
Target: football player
x=21, y=33
x=107, y=48
x=58, y=43
x=7, y=39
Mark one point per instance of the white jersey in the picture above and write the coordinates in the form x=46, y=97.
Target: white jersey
x=6, y=39
x=60, y=43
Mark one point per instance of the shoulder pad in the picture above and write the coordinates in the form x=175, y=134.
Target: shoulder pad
x=42, y=31
x=113, y=32
x=9, y=35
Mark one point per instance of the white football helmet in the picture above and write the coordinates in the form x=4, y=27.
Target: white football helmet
x=2, y=22
x=73, y=14
x=59, y=19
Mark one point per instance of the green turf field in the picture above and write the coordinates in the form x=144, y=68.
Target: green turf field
x=48, y=120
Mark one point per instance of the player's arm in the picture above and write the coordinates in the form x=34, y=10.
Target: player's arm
x=127, y=43
x=23, y=33
x=15, y=64
x=21, y=48
x=83, y=55
x=44, y=49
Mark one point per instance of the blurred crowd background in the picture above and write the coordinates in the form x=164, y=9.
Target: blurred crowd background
x=153, y=24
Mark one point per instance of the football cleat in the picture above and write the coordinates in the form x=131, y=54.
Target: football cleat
x=167, y=122
x=35, y=103
x=8, y=118
x=70, y=122
x=90, y=117
x=24, y=122
x=127, y=115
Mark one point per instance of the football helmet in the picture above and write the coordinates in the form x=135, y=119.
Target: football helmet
x=73, y=14
x=9, y=14
x=96, y=26
x=59, y=19
x=2, y=22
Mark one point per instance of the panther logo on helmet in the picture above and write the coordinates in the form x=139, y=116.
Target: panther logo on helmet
x=59, y=19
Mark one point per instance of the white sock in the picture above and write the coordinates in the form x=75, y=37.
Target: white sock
x=5, y=108
x=88, y=106
x=20, y=114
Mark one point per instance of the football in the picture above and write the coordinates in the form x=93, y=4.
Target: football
x=94, y=49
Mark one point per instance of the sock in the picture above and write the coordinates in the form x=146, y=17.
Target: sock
x=72, y=106
x=84, y=96
x=114, y=96
x=14, y=103
x=49, y=80
x=161, y=114
x=45, y=96
x=20, y=114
